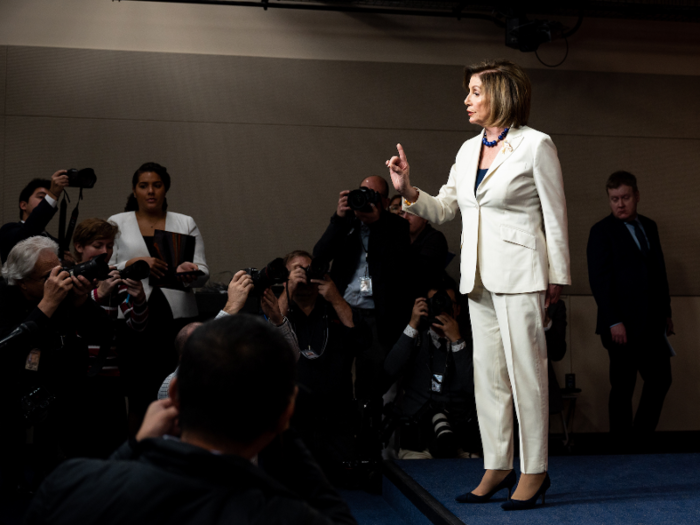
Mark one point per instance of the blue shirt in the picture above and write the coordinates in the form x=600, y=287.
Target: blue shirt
x=352, y=292
x=630, y=227
x=480, y=174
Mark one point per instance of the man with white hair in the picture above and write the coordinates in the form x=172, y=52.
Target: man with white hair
x=39, y=294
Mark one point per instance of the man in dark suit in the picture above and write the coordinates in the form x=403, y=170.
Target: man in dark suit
x=628, y=278
x=37, y=206
x=369, y=250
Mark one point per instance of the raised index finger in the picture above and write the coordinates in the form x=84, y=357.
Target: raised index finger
x=401, y=152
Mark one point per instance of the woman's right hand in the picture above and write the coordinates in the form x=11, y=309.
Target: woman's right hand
x=158, y=266
x=399, y=171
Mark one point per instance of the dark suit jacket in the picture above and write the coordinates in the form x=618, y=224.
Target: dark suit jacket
x=428, y=256
x=389, y=242
x=14, y=232
x=167, y=481
x=628, y=287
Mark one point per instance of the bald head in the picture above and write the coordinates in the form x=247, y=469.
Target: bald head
x=377, y=184
x=183, y=335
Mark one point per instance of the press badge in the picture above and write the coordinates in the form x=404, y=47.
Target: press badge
x=366, y=286
x=33, y=360
x=437, y=383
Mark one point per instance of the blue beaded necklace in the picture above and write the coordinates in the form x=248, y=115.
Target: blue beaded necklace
x=492, y=143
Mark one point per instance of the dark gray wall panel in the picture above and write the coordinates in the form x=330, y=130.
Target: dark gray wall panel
x=3, y=77
x=200, y=88
x=197, y=88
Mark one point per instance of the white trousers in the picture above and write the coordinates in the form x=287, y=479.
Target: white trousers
x=510, y=366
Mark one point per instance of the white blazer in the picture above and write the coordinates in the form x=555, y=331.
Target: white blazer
x=130, y=244
x=516, y=223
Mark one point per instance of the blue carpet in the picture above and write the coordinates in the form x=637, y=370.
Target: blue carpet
x=370, y=509
x=640, y=489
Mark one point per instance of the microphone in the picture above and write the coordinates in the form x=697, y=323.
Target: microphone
x=20, y=334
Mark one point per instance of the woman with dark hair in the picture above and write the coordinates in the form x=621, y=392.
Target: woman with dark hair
x=170, y=308
x=508, y=186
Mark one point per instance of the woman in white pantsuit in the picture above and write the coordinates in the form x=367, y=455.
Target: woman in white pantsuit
x=508, y=186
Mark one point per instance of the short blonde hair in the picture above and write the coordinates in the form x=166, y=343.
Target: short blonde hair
x=507, y=89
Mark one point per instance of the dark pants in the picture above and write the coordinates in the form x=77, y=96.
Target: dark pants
x=644, y=354
x=370, y=380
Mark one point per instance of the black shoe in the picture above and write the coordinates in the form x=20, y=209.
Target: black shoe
x=519, y=504
x=507, y=483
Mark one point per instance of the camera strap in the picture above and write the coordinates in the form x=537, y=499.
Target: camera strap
x=65, y=235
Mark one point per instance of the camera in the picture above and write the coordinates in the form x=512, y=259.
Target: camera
x=438, y=304
x=274, y=273
x=84, y=178
x=137, y=271
x=362, y=200
x=96, y=268
x=316, y=270
x=444, y=443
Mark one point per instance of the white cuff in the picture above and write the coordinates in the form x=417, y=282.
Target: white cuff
x=410, y=331
x=48, y=198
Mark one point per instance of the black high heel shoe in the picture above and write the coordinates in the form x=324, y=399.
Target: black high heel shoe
x=507, y=483
x=520, y=504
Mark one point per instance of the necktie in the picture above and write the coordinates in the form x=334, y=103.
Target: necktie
x=643, y=244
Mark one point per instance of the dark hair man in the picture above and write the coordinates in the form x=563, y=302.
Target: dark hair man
x=235, y=395
x=330, y=336
x=369, y=250
x=434, y=363
x=37, y=206
x=627, y=273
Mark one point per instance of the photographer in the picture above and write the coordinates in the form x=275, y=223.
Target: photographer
x=37, y=206
x=437, y=409
x=330, y=336
x=368, y=247
x=41, y=294
x=106, y=428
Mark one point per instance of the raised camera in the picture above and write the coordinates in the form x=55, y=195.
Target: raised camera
x=274, y=273
x=438, y=304
x=362, y=200
x=84, y=178
x=96, y=268
x=317, y=270
x=137, y=271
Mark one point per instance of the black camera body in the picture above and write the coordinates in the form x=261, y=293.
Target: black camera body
x=274, y=273
x=317, y=270
x=438, y=304
x=363, y=198
x=84, y=178
x=98, y=268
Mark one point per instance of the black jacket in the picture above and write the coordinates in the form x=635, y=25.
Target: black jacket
x=14, y=232
x=428, y=255
x=167, y=481
x=628, y=287
x=387, y=257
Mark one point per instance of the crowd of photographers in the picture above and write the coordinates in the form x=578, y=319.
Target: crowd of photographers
x=90, y=337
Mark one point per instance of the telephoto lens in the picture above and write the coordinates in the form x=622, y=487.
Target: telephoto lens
x=96, y=268
x=137, y=271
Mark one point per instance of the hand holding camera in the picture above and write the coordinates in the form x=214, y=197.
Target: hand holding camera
x=420, y=310
x=448, y=326
x=327, y=289
x=59, y=180
x=343, y=207
x=56, y=288
x=268, y=303
x=108, y=285
x=81, y=289
x=238, y=290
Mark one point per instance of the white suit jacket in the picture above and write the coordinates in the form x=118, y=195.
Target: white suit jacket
x=516, y=222
x=130, y=244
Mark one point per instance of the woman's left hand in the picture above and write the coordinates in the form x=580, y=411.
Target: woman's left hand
x=186, y=267
x=552, y=294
